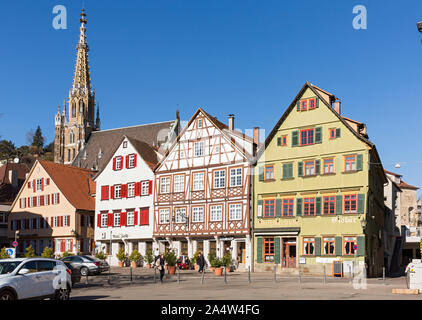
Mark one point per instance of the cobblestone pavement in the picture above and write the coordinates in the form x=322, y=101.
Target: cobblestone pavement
x=189, y=285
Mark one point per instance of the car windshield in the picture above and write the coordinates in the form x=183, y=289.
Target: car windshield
x=8, y=267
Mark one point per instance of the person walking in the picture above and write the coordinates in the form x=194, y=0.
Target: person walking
x=159, y=264
x=201, y=262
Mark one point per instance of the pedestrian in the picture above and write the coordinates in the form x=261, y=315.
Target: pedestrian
x=159, y=264
x=200, y=261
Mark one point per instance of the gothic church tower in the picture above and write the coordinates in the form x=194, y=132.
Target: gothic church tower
x=74, y=124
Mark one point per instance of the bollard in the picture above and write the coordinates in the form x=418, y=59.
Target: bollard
x=383, y=275
x=249, y=274
x=109, y=279
x=178, y=275
x=155, y=275
x=86, y=279
x=350, y=274
x=130, y=274
x=225, y=275
x=202, y=277
x=275, y=273
x=300, y=280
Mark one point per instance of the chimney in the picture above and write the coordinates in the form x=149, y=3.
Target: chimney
x=256, y=135
x=13, y=178
x=337, y=105
x=231, y=122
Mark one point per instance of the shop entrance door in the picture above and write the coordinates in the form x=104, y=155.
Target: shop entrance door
x=289, y=253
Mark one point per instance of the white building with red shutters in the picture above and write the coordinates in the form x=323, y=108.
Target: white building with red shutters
x=124, y=199
x=203, y=190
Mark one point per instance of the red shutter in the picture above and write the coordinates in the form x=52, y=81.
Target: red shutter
x=150, y=187
x=99, y=220
x=110, y=220
x=144, y=216
x=68, y=220
x=48, y=199
x=134, y=160
x=58, y=198
x=42, y=184
x=62, y=245
x=112, y=192
x=123, y=219
x=114, y=163
x=20, y=203
x=127, y=162
x=48, y=182
x=104, y=193
x=29, y=185
x=41, y=200
x=124, y=191
x=135, y=218
x=33, y=185
x=71, y=245
x=61, y=221
x=24, y=199
x=137, y=189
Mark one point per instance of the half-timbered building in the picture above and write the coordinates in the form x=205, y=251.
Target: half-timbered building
x=203, y=189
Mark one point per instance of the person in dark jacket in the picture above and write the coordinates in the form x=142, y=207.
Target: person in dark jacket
x=200, y=261
x=159, y=264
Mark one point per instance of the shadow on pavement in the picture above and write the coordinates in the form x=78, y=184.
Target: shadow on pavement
x=88, y=297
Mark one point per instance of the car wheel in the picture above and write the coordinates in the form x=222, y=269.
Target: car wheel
x=7, y=295
x=84, y=271
x=62, y=294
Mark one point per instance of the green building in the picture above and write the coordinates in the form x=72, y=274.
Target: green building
x=318, y=191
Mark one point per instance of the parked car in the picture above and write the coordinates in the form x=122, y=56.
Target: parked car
x=87, y=265
x=34, y=278
x=75, y=272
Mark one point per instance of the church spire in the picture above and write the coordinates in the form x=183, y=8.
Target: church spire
x=97, y=121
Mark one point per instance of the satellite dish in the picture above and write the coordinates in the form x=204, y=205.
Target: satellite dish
x=16, y=160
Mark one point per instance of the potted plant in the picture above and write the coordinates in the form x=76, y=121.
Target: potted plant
x=211, y=257
x=67, y=254
x=101, y=255
x=3, y=254
x=216, y=263
x=193, y=260
x=149, y=258
x=121, y=256
x=30, y=252
x=227, y=261
x=47, y=253
x=171, y=260
x=134, y=258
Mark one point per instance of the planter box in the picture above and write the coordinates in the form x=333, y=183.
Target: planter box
x=171, y=269
x=218, y=271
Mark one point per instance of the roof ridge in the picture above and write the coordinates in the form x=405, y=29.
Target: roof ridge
x=64, y=165
x=139, y=125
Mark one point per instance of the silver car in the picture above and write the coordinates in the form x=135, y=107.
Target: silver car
x=87, y=264
x=34, y=278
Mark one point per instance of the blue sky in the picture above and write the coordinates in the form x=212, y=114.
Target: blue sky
x=244, y=57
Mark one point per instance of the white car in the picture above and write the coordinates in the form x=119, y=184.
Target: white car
x=29, y=278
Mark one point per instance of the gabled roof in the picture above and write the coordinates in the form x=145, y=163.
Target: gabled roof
x=404, y=185
x=154, y=134
x=224, y=129
x=393, y=174
x=8, y=192
x=322, y=95
x=76, y=184
x=145, y=151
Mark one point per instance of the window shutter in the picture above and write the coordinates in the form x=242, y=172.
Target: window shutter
x=41, y=200
x=290, y=170
x=135, y=218
x=150, y=187
x=29, y=185
x=318, y=134
x=114, y=163
x=295, y=138
x=278, y=208
x=123, y=219
x=339, y=204
x=277, y=250
x=261, y=173
x=317, y=166
x=361, y=203
x=338, y=247
x=318, y=206
x=299, y=207
x=317, y=246
x=112, y=192
x=316, y=102
x=259, y=213
x=134, y=160
x=298, y=105
x=285, y=171
x=279, y=141
x=137, y=189
x=337, y=132
x=300, y=169
x=99, y=220
x=42, y=184
x=123, y=189
x=127, y=161
x=359, y=162
x=361, y=246
x=259, y=250
x=109, y=220
x=68, y=220
x=48, y=182
x=33, y=184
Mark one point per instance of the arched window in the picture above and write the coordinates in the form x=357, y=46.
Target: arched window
x=72, y=137
x=81, y=107
x=73, y=110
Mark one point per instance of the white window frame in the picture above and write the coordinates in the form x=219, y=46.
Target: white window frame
x=117, y=191
x=116, y=218
x=179, y=183
x=130, y=218
x=22, y=200
x=164, y=216
x=234, y=177
x=55, y=198
x=104, y=219
x=219, y=179
x=198, y=214
x=131, y=161
x=216, y=213
x=66, y=221
x=119, y=161
x=131, y=190
x=145, y=188
x=38, y=183
x=180, y=215
x=30, y=202
x=67, y=245
x=198, y=184
x=55, y=221
x=235, y=211
x=165, y=187
x=38, y=201
x=198, y=149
